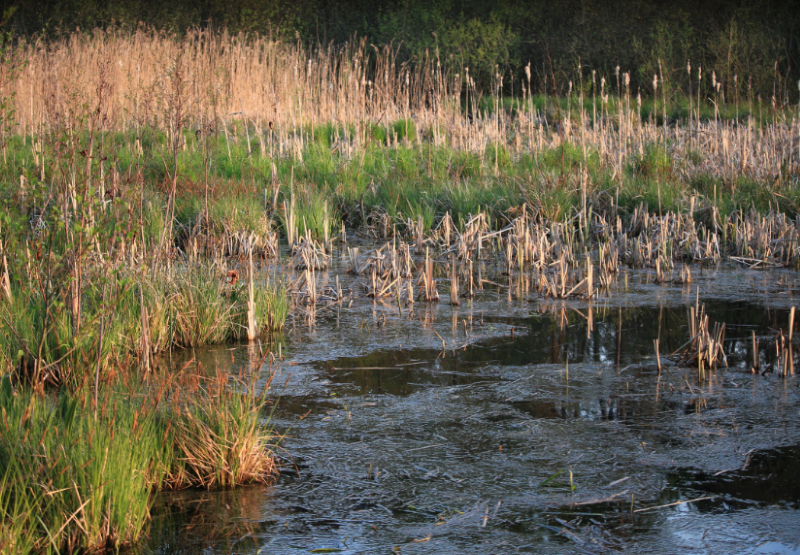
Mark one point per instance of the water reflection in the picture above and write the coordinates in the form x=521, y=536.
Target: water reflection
x=541, y=431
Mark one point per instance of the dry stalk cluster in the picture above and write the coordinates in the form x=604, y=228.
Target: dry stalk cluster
x=308, y=254
x=764, y=240
x=277, y=93
x=229, y=241
x=783, y=365
x=705, y=349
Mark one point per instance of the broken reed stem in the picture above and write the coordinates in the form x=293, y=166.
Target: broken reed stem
x=755, y=354
x=789, y=349
x=252, y=327
x=658, y=356
x=589, y=277
x=453, y=281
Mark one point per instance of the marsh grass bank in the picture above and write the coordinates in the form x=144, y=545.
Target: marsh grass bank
x=81, y=476
x=165, y=193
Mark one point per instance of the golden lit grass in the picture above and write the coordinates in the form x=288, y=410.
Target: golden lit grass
x=274, y=94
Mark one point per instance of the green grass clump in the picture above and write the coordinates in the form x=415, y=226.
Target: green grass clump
x=79, y=476
x=76, y=476
x=202, y=316
x=221, y=442
x=653, y=163
x=271, y=307
x=195, y=306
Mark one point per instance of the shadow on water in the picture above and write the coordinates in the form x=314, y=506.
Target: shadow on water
x=769, y=477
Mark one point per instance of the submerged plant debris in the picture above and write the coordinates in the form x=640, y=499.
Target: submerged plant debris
x=523, y=426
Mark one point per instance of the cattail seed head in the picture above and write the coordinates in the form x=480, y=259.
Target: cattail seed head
x=655, y=83
x=528, y=71
x=689, y=68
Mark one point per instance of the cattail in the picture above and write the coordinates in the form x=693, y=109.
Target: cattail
x=689, y=68
x=528, y=71
x=655, y=83
x=714, y=79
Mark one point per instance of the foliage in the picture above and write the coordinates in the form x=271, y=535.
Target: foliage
x=744, y=39
x=78, y=473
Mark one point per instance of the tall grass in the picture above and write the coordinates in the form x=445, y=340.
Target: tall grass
x=80, y=476
x=202, y=315
x=268, y=99
x=150, y=314
x=85, y=472
x=220, y=443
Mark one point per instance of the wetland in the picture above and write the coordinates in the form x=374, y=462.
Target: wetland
x=263, y=297
x=541, y=427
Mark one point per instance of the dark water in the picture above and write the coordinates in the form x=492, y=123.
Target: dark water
x=540, y=427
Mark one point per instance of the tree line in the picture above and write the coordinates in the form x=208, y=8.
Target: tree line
x=744, y=48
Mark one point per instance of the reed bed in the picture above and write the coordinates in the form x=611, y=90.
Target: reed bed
x=281, y=97
x=162, y=192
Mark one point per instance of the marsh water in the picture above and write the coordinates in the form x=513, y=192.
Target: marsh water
x=514, y=424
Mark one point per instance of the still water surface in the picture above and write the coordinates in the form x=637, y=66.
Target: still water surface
x=541, y=427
